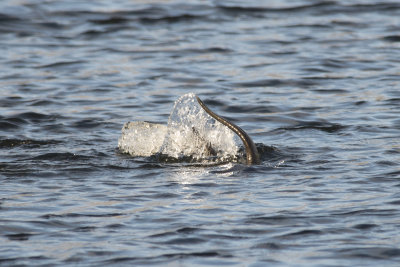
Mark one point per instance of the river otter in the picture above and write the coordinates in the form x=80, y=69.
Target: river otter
x=252, y=156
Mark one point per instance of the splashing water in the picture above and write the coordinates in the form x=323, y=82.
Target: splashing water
x=191, y=134
x=142, y=139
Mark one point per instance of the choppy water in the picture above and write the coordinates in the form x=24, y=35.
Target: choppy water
x=317, y=80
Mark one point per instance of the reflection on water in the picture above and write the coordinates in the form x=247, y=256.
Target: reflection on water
x=314, y=83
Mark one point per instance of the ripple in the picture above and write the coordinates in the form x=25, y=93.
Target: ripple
x=365, y=226
x=78, y=215
x=19, y=237
x=61, y=156
x=277, y=83
x=5, y=125
x=371, y=253
x=283, y=8
x=61, y=64
x=27, y=143
x=87, y=124
x=302, y=233
x=392, y=38
x=183, y=241
x=316, y=125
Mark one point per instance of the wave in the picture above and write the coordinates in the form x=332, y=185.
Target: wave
x=27, y=143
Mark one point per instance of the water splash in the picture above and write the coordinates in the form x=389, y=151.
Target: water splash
x=142, y=139
x=191, y=135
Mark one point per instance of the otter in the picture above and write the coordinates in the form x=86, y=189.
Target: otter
x=252, y=156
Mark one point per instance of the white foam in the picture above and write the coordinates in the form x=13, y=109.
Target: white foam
x=142, y=139
x=190, y=132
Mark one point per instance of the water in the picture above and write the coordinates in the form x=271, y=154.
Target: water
x=316, y=80
x=191, y=135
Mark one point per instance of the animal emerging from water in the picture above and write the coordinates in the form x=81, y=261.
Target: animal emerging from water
x=145, y=139
x=252, y=156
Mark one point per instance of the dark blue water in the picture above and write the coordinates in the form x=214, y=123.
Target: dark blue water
x=319, y=81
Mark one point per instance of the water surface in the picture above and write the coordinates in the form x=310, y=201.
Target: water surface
x=317, y=80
